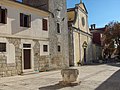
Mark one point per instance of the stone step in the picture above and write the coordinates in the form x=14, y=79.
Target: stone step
x=30, y=72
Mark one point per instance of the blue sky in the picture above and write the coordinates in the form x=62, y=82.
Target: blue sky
x=100, y=12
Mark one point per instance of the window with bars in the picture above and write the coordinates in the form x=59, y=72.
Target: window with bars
x=3, y=16
x=25, y=20
x=45, y=48
x=2, y=47
x=45, y=24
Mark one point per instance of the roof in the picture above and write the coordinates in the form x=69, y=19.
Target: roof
x=28, y=5
x=97, y=30
x=70, y=9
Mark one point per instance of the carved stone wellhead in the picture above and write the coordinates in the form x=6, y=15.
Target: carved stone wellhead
x=69, y=75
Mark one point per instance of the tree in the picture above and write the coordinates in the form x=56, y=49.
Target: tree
x=112, y=39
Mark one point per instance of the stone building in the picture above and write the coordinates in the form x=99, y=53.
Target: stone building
x=97, y=42
x=58, y=33
x=29, y=39
x=80, y=38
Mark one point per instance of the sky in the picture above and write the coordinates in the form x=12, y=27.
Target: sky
x=100, y=12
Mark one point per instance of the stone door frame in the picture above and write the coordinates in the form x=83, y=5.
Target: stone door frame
x=32, y=63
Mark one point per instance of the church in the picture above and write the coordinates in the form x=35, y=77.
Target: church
x=80, y=38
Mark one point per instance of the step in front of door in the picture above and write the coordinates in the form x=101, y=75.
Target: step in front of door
x=29, y=72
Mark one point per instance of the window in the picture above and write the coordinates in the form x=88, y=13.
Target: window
x=59, y=48
x=26, y=45
x=58, y=28
x=25, y=20
x=3, y=16
x=2, y=47
x=83, y=21
x=45, y=48
x=44, y=24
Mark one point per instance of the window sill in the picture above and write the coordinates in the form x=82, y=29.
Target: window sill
x=58, y=33
x=2, y=53
x=25, y=27
x=45, y=30
x=3, y=23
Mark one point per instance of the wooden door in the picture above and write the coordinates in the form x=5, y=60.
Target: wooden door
x=27, y=58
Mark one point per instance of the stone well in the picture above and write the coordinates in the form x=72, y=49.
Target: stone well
x=69, y=75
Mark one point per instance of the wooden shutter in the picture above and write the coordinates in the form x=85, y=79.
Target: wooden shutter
x=5, y=11
x=0, y=15
x=45, y=26
x=21, y=19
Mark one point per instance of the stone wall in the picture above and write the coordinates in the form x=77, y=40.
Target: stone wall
x=18, y=53
x=55, y=38
x=55, y=59
x=11, y=69
x=58, y=60
x=36, y=50
x=41, y=63
x=44, y=63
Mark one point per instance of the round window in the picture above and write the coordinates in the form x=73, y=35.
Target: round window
x=83, y=21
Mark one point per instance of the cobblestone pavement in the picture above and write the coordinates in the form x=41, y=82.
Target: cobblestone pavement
x=92, y=77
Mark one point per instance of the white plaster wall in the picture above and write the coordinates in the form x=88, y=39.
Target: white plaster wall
x=13, y=24
x=76, y=48
x=41, y=47
x=83, y=38
x=10, y=51
x=78, y=22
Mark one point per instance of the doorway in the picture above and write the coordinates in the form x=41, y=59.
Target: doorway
x=84, y=55
x=27, y=58
x=27, y=64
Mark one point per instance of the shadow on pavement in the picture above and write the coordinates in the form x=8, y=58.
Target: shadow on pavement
x=112, y=83
x=110, y=62
x=57, y=86
x=116, y=64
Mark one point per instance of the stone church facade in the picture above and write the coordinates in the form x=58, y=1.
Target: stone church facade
x=80, y=38
x=32, y=39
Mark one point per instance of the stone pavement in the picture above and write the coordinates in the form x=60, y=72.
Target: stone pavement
x=92, y=77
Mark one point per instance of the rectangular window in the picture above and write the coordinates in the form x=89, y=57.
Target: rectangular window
x=3, y=16
x=2, y=47
x=25, y=20
x=58, y=28
x=45, y=24
x=59, y=48
x=45, y=48
x=26, y=45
